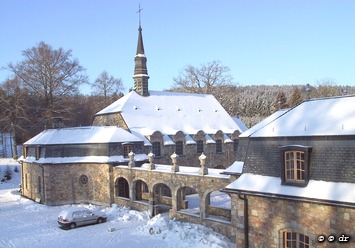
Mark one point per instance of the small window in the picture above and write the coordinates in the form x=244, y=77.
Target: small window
x=39, y=185
x=38, y=152
x=199, y=146
x=295, y=165
x=127, y=149
x=295, y=240
x=83, y=179
x=235, y=144
x=218, y=146
x=156, y=149
x=179, y=147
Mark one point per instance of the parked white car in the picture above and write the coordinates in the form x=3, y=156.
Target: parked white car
x=80, y=216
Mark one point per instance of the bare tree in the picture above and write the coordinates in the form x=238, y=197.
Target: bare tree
x=107, y=89
x=203, y=79
x=50, y=74
x=106, y=85
x=13, y=112
x=326, y=88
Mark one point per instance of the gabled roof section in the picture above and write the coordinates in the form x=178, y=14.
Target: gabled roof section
x=169, y=112
x=317, y=117
x=83, y=135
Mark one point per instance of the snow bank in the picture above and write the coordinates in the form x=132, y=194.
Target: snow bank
x=29, y=224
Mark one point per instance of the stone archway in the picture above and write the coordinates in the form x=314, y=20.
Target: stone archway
x=188, y=201
x=140, y=191
x=218, y=205
x=162, y=198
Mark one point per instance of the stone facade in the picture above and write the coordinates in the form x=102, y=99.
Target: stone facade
x=66, y=183
x=268, y=218
x=290, y=212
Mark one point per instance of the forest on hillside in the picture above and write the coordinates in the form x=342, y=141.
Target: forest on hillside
x=256, y=102
x=45, y=87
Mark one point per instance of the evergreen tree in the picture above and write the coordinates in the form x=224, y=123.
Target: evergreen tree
x=280, y=101
x=296, y=97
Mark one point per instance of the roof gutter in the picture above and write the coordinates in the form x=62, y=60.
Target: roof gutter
x=291, y=198
x=246, y=220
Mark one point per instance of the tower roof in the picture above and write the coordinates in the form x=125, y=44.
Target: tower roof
x=140, y=76
x=140, y=47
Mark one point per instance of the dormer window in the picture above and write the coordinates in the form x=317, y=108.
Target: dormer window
x=199, y=144
x=295, y=165
x=218, y=146
x=127, y=148
x=179, y=148
x=156, y=149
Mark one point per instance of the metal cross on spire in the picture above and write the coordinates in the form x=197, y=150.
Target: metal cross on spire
x=139, y=11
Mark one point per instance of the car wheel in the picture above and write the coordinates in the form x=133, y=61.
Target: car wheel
x=99, y=220
x=72, y=225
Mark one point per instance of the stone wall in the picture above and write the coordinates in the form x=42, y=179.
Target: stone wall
x=190, y=156
x=268, y=218
x=62, y=184
x=331, y=158
x=203, y=185
x=110, y=120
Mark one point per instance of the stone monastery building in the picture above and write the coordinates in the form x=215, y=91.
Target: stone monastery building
x=148, y=150
x=168, y=122
x=284, y=182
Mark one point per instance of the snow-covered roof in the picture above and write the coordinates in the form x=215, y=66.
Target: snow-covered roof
x=83, y=135
x=240, y=124
x=235, y=169
x=316, y=117
x=318, y=190
x=83, y=159
x=263, y=123
x=169, y=112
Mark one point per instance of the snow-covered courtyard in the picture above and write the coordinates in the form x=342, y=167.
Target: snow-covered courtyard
x=25, y=223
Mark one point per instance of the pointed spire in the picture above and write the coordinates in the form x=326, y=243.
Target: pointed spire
x=140, y=46
x=140, y=70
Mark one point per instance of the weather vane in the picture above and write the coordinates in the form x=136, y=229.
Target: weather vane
x=139, y=11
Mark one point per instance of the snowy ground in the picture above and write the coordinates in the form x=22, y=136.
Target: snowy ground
x=25, y=223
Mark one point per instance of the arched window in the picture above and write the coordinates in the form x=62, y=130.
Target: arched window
x=122, y=188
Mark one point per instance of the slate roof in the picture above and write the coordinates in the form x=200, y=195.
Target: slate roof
x=315, y=117
x=169, y=112
x=83, y=135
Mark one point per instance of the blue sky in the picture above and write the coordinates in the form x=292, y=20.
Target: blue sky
x=262, y=42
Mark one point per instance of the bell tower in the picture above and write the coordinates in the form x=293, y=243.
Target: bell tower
x=140, y=76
